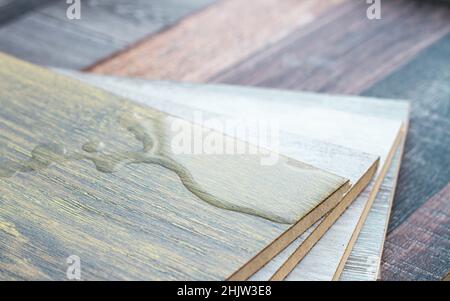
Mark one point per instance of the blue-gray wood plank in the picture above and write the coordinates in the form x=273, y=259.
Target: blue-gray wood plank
x=11, y=9
x=46, y=36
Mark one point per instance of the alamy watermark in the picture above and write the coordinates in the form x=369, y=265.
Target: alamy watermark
x=374, y=10
x=73, y=12
x=255, y=136
x=74, y=267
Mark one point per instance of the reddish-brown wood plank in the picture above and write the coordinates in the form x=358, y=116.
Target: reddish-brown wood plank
x=214, y=39
x=419, y=248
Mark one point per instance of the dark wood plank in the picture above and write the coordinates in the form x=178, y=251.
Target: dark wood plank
x=47, y=37
x=419, y=249
x=343, y=51
x=425, y=168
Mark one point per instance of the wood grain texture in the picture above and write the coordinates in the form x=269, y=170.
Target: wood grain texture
x=11, y=9
x=146, y=213
x=343, y=51
x=425, y=169
x=235, y=29
x=47, y=37
x=176, y=98
x=419, y=249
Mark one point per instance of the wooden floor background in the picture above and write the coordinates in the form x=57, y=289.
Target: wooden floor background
x=314, y=45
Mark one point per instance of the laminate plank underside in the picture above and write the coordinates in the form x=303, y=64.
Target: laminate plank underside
x=105, y=28
x=145, y=213
x=177, y=98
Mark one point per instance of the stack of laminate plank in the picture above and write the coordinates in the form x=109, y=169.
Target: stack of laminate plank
x=87, y=168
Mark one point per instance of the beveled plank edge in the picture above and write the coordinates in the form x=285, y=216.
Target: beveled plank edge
x=323, y=227
x=309, y=243
x=282, y=241
x=398, y=145
x=402, y=150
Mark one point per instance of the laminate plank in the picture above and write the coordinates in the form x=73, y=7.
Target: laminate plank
x=225, y=100
x=235, y=29
x=47, y=37
x=88, y=173
x=419, y=249
x=425, y=165
x=342, y=51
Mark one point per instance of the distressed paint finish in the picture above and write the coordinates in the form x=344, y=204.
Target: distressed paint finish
x=134, y=220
